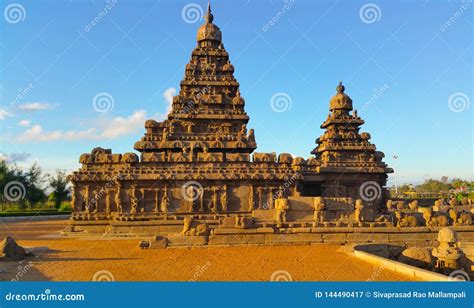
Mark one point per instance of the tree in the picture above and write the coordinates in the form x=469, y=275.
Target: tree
x=58, y=183
x=34, y=183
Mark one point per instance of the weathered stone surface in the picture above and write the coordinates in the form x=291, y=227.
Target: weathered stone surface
x=11, y=251
x=417, y=256
x=181, y=240
x=334, y=238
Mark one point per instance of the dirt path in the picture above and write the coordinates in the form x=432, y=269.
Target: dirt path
x=72, y=259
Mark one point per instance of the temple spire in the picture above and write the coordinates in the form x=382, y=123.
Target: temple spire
x=209, y=17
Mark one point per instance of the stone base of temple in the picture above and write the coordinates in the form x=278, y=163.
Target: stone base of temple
x=170, y=232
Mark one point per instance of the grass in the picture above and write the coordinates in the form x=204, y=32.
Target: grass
x=32, y=213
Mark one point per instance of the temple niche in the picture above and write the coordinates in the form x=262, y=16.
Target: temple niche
x=197, y=173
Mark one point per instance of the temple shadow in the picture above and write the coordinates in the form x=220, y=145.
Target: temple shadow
x=18, y=271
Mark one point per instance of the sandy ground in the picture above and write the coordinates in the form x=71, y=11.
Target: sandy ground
x=79, y=259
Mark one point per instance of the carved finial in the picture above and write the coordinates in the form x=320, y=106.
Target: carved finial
x=209, y=16
x=340, y=88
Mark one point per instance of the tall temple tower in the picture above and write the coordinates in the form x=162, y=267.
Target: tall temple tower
x=208, y=114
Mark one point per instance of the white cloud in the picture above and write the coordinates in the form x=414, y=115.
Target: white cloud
x=30, y=107
x=168, y=95
x=113, y=128
x=123, y=126
x=4, y=114
x=14, y=157
x=24, y=123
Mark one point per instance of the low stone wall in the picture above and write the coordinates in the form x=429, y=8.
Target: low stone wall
x=401, y=268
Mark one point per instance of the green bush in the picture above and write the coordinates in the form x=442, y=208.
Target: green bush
x=65, y=206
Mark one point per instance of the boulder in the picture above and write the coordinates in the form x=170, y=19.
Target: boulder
x=11, y=251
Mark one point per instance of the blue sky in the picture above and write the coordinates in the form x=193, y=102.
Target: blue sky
x=406, y=64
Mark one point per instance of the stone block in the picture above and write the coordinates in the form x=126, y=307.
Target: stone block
x=233, y=231
x=180, y=240
x=255, y=238
x=265, y=230
x=379, y=238
x=301, y=203
x=227, y=240
x=339, y=238
x=359, y=237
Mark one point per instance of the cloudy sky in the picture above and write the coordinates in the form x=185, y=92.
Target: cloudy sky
x=76, y=74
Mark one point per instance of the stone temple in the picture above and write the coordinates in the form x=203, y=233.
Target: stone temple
x=198, y=176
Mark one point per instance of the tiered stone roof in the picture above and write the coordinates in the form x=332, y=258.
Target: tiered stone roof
x=208, y=114
x=342, y=148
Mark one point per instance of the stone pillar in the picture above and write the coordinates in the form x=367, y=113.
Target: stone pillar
x=73, y=197
x=251, y=199
x=107, y=201
x=214, y=200
x=165, y=201
x=270, y=198
x=118, y=199
x=142, y=199
x=133, y=200
x=156, y=207
x=87, y=198
x=201, y=201
x=224, y=199
x=260, y=197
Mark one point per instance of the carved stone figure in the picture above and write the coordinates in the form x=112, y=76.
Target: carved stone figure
x=281, y=206
x=413, y=205
x=449, y=255
x=358, y=207
x=187, y=225
x=319, y=206
x=462, y=219
x=434, y=221
x=405, y=220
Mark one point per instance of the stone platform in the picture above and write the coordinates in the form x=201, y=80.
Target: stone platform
x=270, y=235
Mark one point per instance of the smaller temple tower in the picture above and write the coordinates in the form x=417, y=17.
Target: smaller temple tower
x=351, y=166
